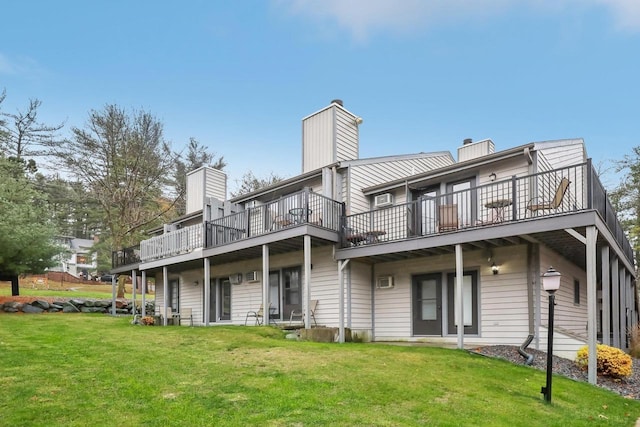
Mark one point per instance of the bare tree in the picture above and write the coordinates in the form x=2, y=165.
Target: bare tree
x=250, y=183
x=124, y=160
x=22, y=134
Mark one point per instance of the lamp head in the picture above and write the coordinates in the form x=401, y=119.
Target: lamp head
x=551, y=280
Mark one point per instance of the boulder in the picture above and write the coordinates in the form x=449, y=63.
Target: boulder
x=28, y=308
x=41, y=303
x=56, y=306
x=53, y=310
x=77, y=302
x=12, y=306
x=121, y=311
x=70, y=308
x=102, y=303
x=89, y=303
x=92, y=309
x=121, y=304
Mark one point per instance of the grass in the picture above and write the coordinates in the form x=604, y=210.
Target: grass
x=80, y=369
x=67, y=290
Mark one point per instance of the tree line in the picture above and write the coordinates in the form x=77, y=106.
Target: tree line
x=114, y=178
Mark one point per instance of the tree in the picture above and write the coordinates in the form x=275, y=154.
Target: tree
x=626, y=198
x=196, y=157
x=250, y=183
x=125, y=162
x=26, y=235
x=23, y=136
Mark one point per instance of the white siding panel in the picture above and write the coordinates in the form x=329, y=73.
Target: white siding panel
x=503, y=311
x=564, y=154
x=216, y=184
x=195, y=191
x=318, y=147
x=360, y=310
x=346, y=136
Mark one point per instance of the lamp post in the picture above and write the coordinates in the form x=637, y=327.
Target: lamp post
x=550, y=283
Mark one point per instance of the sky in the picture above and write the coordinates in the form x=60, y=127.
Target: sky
x=239, y=76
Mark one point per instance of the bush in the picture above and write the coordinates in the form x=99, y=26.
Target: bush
x=612, y=361
x=148, y=320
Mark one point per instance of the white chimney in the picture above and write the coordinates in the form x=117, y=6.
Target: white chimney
x=328, y=136
x=473, y=150
x=202, y=183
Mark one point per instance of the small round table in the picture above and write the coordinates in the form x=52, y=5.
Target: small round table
x=499, y=207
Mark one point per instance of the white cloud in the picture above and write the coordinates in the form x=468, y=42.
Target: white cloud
x=22, y=66
x=361, y=18
x=625, y=12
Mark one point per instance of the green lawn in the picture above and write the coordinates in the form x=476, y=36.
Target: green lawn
x=68, y=290
x=78, y=370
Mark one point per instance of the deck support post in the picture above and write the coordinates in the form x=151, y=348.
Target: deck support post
x=307, y=281
x=459, y=296
x=592, y=234
x=143, y=278
x=341, y=265
x=165, y=294
x=207, y=290
x=266, y=312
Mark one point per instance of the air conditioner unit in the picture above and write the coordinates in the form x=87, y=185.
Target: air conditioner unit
x=253, y=276
x=385, y=282
x=382, y=200
x=235, y=279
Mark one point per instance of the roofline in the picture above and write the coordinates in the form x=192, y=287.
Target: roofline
x=327, y=107
x=489, y=158
x=371, y=160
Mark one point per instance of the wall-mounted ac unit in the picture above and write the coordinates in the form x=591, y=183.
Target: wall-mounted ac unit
x=382, y=200
x=384, y=282
x=235, y=279
x=253, y=276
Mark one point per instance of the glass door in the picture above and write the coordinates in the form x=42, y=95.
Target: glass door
x=292, y=298
x=224, y=291
x=427, y=304
x=469, y=302
x=274, y=294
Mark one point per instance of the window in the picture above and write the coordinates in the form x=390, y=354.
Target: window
x=174, y=295
x=576, y=292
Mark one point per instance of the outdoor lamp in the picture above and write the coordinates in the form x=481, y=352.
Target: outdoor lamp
x=495, y=268
x=550, y=283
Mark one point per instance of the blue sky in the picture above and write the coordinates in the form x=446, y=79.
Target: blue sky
x=240, y=75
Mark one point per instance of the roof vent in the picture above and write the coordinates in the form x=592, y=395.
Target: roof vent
x=467, y=141
x=337, y=101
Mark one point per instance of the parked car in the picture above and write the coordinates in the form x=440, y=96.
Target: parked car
x=106, y=278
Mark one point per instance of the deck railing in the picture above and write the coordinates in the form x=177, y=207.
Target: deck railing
x=559, y=191
x=126, y=256
x=173, y=243
x=302, y=207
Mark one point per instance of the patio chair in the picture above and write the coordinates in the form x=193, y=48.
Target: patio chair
x=448, y=217
x=160, y=312
x=539, y=204
x=312, y=309
x=185, y=313
x=258, y=315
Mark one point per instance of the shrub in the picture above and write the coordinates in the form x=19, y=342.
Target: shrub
x=634, y=342
x=148, y=320
x=612, y=361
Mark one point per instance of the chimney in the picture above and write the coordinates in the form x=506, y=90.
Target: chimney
x=202, y=183
x=328, y=136
x=473, y=150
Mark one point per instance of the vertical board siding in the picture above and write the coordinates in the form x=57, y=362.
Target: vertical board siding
x=318, y=140
x=195, y=191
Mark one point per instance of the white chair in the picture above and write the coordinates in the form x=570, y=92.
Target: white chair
x=258, y=315
x=185, y=313
x=312, y=310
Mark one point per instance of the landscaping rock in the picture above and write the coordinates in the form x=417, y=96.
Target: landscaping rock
x=56, y=306
x=89, y=303
x=41, y=303
x=77, y=302
x=70, y=308
x=102, y=303
x=12, y=306
x=92, y=309
x=28, y=308
x=121, y=311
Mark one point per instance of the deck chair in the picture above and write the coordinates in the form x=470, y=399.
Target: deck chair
x=312, y=309
x=448, y=217
x=160, y=312
x=186, y=313
x=258, y=315
x=538, y=204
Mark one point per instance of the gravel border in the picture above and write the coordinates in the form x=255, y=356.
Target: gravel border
x=628, y=387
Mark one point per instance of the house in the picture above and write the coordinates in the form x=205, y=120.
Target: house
x=415, y=248
x=76, y=257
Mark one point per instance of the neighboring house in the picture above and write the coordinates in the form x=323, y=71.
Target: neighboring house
x=76, y=258
x=376, y=244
